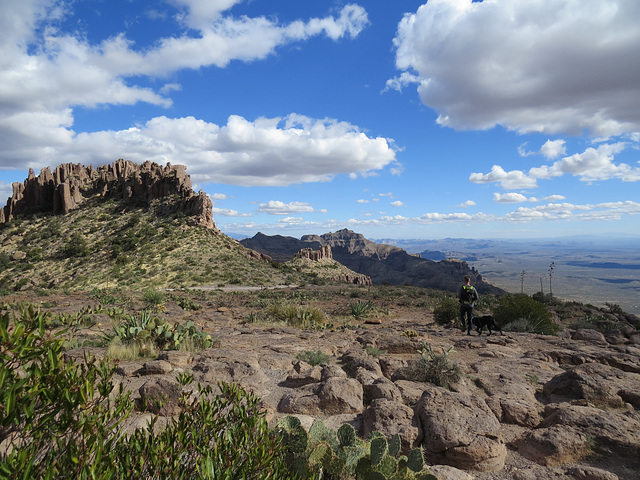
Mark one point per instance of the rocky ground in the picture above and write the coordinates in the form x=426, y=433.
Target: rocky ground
x=526, y=407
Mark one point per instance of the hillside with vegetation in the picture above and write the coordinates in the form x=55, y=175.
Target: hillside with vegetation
x=105, y=243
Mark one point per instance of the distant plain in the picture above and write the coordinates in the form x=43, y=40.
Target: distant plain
x=585, y=269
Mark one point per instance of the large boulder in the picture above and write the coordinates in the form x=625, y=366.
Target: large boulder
x=598, y=384
x=512, y=398
x=333, y=397
x=610, y=431
x=460, y=430
x=553, y=446
x=392, y=417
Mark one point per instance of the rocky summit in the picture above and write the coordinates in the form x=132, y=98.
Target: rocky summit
x=69, y=185
x=524, y=406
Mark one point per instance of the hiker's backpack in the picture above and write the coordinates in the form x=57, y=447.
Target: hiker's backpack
x=468, y=293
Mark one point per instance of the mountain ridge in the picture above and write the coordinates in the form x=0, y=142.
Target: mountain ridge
x=383, y=263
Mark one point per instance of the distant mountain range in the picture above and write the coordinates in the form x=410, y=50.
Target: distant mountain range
x=382, y=262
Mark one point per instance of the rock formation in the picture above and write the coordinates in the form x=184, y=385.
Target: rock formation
x=320, y=262
x=323, y=252
x=70, y=185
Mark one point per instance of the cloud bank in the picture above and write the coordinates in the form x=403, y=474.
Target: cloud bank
x=45, y=73
x=553, y=66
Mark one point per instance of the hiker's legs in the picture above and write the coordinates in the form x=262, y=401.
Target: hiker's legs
x=466, y=316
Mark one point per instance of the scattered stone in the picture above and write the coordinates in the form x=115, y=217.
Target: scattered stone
x=160, y=396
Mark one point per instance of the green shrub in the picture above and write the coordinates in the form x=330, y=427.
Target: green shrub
x=447, y=311
x=76, y=246
x=64, y=420
x=314, y=358
x=153, y=297
x=58, y=417
x=360, y=308
x=434, y=368
x=293, y=315
x=514, y=307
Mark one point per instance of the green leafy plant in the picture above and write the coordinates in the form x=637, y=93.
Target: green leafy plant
x=154, y=298
x=314, y=358
x=434, y=367
x=518, y=306
x=63, y=420
x=360, y=308
x=447, y=311
x=76, y=246
x=375, y=352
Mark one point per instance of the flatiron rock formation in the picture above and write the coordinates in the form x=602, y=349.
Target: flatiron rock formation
x=69, y=185
x=307, y=259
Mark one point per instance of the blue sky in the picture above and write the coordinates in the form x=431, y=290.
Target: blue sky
x=404, y=119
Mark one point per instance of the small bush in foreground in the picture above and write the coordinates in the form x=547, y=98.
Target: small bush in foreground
x=447, y=311
x=434, y=367
x=314, y=358
x=64, y=420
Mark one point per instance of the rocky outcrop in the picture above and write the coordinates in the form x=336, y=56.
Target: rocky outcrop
x=527, y=407
x=323, y=252
x=69, y=185
x=381, y=262
x=320, y=263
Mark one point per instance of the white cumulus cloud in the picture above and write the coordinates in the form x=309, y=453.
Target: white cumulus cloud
x=45, y=73
x=556, y=66
x=510, y=197
x=276, y=207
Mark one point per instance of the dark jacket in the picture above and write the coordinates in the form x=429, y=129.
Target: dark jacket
x=468, y=295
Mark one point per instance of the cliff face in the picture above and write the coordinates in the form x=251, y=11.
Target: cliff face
x=69, y=185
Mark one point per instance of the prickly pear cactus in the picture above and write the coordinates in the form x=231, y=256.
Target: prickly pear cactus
x=415, y=460
x=378, y=450
x=347, y=435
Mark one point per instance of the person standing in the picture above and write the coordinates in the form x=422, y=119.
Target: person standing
x=467, y=296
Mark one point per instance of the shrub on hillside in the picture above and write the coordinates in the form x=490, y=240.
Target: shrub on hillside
x=76, y=246
x=525, y=314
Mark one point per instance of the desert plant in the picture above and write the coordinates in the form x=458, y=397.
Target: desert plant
x=314, y=358
x=360, y=308
x=375, y=352
x=434, y=367
x=323, y=453
x=447, y=311
x=164, y=335
x=532, y=324
x=59, y=418
x=63, y=420
x=517, y=306
x=154, y=298
x=76, y=246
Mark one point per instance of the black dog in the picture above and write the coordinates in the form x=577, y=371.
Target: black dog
x=485, y=321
